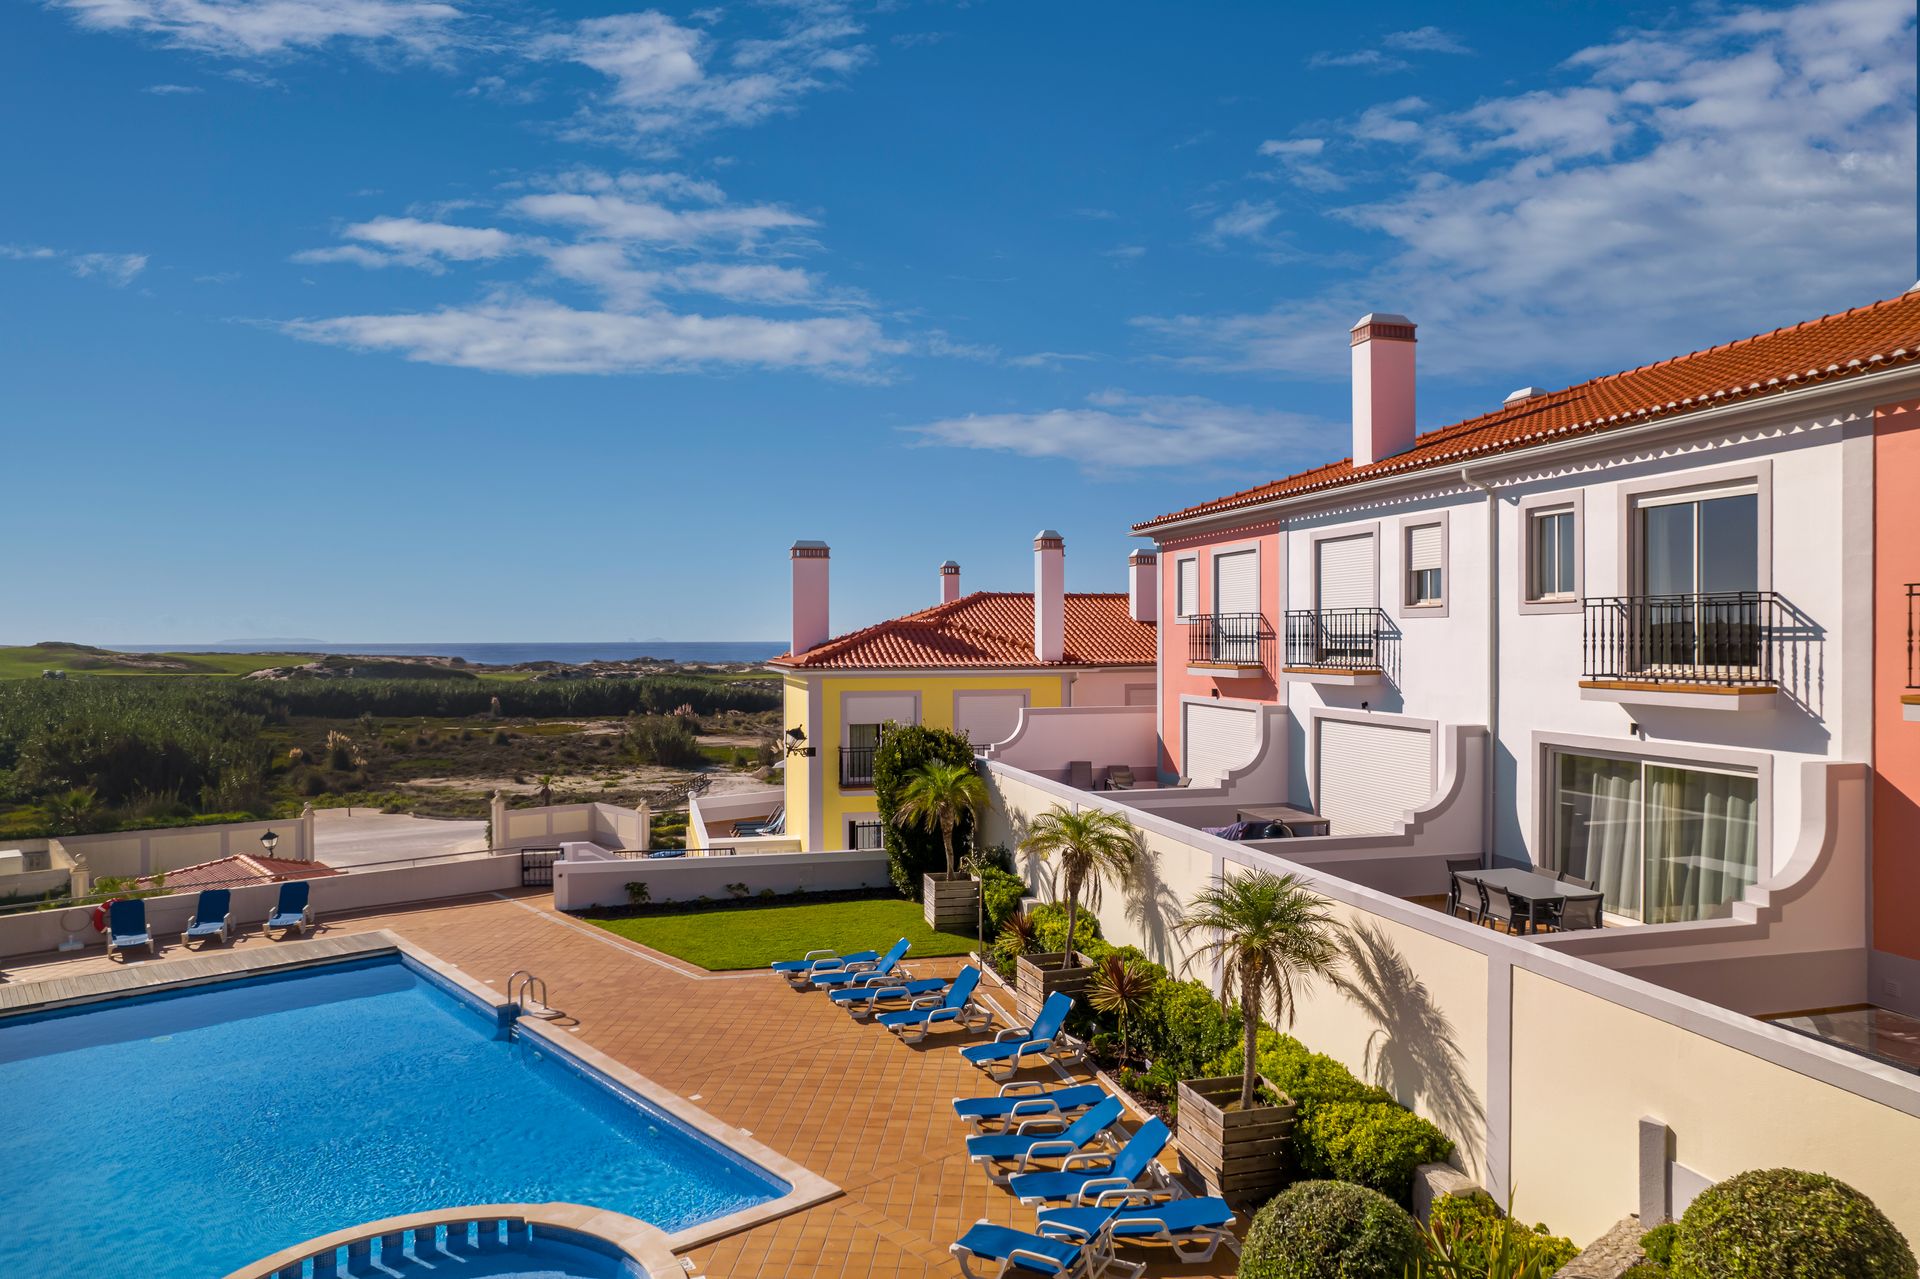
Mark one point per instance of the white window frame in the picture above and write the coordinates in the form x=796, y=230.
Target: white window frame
x=1213, y=565
x=1568, y=501
x=1754, y=477
x=1185, y=610
x=1439, y=606
x=1369, y=529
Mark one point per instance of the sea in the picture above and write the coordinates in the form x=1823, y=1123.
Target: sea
x=570, y=651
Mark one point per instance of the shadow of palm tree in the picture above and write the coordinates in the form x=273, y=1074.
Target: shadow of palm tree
x=1413, y=1054
x=1152, y=907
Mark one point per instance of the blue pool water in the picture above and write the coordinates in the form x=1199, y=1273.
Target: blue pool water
x=182, y=1135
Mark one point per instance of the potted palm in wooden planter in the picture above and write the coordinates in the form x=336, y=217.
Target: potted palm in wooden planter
x=1084, y=846
x=939, y=795
x=1267, y=932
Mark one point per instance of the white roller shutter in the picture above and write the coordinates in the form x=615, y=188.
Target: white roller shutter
x=1189, y=589
x=1369, y=775
x=1423, y=548
x=1217, y=740
x=987, y=718
x=1236, y=582
x=1343, y=577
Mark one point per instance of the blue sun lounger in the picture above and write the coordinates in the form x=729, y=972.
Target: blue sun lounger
x=1026, y=1100
x=1038, y=1139
x=1011, y=1046
x=127, y=925
x=1082, y=1177
x=212, y=917
x=798, y=971
x=291, y=913
x=915, y=1021
x=862, y=974
x=1193, y=1229
x=864, y=1001
x=1060, y=1255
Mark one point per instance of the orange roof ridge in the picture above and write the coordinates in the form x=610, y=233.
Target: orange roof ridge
x=1833, y=346
x=986, y=630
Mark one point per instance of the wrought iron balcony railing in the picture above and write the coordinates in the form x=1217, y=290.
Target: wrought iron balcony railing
x=1725, y=638
x=1336, y=638
x=1229, y=639
x=1913, y=635
x=856, y=765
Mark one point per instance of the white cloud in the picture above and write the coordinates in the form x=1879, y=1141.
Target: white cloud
x=1380, y=61
x=534, y=336
x=1425, y=40
x=1689, y=185
x=1118, y=431
x=259, y=28
x=1299, y=161
x=1361, y=59
x=1250, y=221
x=170, y=90
x=616, y=217
x=27, y=252
x=117, y=269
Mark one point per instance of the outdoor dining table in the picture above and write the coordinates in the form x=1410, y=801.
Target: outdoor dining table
x=1542, y=895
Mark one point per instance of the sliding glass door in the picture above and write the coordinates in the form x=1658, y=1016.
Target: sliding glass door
x=1664, y=843
x=1699, y=571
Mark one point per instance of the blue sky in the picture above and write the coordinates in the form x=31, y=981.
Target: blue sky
x=444, y=319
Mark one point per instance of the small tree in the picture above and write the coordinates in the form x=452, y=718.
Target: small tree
x=1084, y=846
x=545, y=782
x=1122, y=987
x=938, y=796
x=912, y=851
x=1268, y=933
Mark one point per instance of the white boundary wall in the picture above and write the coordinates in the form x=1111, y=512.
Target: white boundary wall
x=131, y=853
x=604, y=824
x=583, y=885
x=1543, y=1066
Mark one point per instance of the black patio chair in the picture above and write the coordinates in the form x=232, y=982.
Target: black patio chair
x=1500, y=908
x=1578, y=912
x=1457, y=900
x=1568, y=877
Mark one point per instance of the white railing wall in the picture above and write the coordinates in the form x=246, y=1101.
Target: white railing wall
x=133, y=853
x=588, y=884
x=605, y=824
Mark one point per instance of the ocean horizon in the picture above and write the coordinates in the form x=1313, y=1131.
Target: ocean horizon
x=574, y=652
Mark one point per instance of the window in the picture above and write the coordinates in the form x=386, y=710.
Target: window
x=1426, y=557
x=865, y=835
x=1663, y=842
x=1550, y=556
x=856, y=757
x=1187, y=587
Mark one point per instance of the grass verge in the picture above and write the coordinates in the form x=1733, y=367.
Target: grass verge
x=743, y=936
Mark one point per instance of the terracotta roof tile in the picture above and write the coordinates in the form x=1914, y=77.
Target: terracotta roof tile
x=984, y=630
x=242, y=868
x=1870, y=337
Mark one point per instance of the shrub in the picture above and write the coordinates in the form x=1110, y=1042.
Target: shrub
x=1003, y=891
x=1779, y=1223
x=1658, y=1243
x=1184, y=1028
x=914, y=852
x=666, y=741
x=1330, y=1230
x=1644, y=1270
x=1371, y=1143
x=1480, y=1240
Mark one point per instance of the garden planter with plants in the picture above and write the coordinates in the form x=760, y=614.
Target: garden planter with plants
x=1239, y=1153
x=1037, y=976
x=952, y=901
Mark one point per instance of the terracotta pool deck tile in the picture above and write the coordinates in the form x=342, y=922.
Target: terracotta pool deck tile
x=842, y=1098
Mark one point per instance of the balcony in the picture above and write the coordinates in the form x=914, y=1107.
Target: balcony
x=856, y=767
x=1229, y=645
x=1345, y=646
x=1722, y=651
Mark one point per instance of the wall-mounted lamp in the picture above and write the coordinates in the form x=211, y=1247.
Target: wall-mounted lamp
x=1363, y=706
x=797, y=743
x=268, y=841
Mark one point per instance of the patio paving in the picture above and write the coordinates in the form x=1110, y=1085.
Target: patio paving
x=844, y=1099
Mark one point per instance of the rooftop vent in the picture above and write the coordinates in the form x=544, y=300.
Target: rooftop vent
x=1524, y=393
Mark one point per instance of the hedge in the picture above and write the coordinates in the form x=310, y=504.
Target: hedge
x=916, y=851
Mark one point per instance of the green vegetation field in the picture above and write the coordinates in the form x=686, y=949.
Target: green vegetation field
x=755, y=936
x=28, y=660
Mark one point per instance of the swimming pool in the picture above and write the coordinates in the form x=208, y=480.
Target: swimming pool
x=183, y=1134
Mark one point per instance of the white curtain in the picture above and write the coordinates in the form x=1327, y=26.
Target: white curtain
x=1702, y=845
x=1597, y=827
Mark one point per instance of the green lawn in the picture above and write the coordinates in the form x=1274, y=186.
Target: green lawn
x=755, y=936
x=27, y=661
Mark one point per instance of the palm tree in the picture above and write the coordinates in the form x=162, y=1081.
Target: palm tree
x=545, y=783
x=1267, y=932
x=937, y=795
x=1085, y=846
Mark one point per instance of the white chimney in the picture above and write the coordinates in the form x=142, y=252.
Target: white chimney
x=809, y=596
x=1382, y=387
x=1049, y=596
x=1143, y=586
x=949, y=582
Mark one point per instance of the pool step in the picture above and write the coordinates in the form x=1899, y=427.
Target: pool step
x=531, y=1000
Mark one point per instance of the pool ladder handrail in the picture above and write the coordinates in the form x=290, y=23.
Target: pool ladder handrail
x=529, y=997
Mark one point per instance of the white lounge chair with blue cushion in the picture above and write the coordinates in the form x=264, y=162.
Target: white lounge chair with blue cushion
x=1193, y=1229
x=1012, y=1046
x=1083, y=1177
x=956, y=1006
x=212, y=917
x=1063, y=1254
x=291, y=913
x=864, y=1001
x=799, y=972
x=127, y=925
x=1026, y=1099
x=862, y=974
x=1038, y=1139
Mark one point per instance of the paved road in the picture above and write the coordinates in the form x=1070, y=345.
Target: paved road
x=371, y=836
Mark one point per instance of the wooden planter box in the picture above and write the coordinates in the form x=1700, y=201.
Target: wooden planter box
x=1037, y=976
x=1241, y=1155
x=952, y=902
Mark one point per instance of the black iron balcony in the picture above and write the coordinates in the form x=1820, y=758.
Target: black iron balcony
x=1336, y=639
x=1230, y=639
x=1726, y=639
x=1913, y=635
x=856, y=765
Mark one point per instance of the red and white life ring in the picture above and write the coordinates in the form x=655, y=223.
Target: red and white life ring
x=100, y=914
